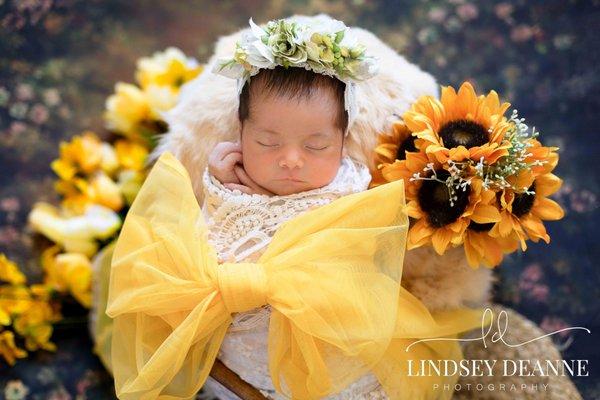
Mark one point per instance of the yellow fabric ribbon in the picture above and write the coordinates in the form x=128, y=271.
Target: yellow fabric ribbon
x=332, y=276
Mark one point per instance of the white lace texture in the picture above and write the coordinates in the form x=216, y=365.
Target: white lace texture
x=240, y=224
x=240, y=228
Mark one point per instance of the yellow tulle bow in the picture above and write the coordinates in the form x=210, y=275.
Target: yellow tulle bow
x=331, y=275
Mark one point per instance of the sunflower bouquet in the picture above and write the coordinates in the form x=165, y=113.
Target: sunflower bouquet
x=473, y=176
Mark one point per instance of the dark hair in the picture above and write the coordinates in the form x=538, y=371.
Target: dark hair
x=293, y=83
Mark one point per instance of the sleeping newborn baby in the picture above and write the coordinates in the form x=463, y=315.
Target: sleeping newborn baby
x=290, y=159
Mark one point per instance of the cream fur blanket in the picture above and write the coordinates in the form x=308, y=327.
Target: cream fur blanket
x=207, y=114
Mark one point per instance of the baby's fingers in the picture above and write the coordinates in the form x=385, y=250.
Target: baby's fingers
x=222, y=149
x=231, y=159
x=246, y=180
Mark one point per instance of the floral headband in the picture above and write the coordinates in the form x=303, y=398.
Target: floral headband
x=320, y=44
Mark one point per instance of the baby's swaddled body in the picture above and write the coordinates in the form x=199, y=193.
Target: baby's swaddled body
x=240, y=228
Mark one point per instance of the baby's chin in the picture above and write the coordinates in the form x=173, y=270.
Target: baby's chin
x=284, y=188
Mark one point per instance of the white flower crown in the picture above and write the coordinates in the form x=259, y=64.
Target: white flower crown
x=321, y=44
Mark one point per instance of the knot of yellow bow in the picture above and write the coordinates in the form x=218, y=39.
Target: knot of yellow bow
x=243, y=286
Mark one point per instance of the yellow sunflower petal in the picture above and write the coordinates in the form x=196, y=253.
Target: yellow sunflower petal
x=413, y=210
x=440, y=240
x=484, y=214
x=547, y=184
x=472, y=253
x=492, y=251
x=535, y=229
x=459, y=153
x=547, y=209
x=419, y=233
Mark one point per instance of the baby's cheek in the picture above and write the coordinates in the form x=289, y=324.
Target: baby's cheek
x=256, y=166
x=322, y=173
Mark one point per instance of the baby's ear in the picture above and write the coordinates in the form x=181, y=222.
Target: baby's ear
x=344, y=149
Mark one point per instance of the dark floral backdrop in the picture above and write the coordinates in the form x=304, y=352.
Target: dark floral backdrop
x=60, y=60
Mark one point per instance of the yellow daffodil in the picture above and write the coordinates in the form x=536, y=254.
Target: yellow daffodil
x=10, y=272
x=4, y=316
x=68, y=272
x=76, y=234
x=8, y=350
x=160, y=99
x=168, y=68
x=83, y=153
x=35, y=325
x=104, y=191
x=126, y=109
x=109, y=163
x=131, y=155
x=75, y=205
x=475, y=124
x=14, y=300
x=79, y=193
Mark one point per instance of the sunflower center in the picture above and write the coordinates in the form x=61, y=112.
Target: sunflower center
x=434, y=200
x=474, y=226
x=463, y=133
x=523, y=202
x=407, y=144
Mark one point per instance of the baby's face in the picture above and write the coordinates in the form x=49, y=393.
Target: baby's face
x=291, y=145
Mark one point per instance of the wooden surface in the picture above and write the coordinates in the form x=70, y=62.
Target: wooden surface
x=233, y=382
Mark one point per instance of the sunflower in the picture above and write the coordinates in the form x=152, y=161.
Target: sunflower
x=442, y=217
x=391, y=147
x=522, y=213
x=475, y=124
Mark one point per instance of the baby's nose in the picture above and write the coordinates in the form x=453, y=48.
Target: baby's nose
x=291, y=160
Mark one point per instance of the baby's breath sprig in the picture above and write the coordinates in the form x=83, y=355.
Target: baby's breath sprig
x=495, y=176
x=519, y=136
x=455, y=182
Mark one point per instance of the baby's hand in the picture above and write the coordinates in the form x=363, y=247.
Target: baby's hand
x=222, y=160
x=247, y=185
